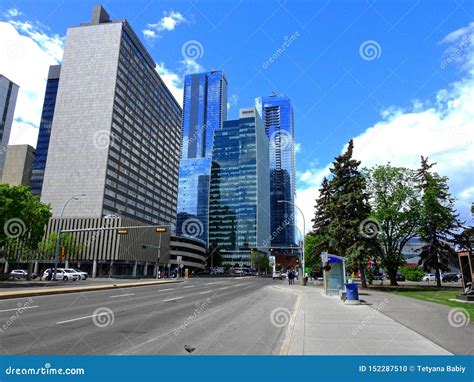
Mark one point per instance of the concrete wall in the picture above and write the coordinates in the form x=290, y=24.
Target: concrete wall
x=18, y=165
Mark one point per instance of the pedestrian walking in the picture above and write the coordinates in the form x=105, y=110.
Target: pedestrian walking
x=291, y=277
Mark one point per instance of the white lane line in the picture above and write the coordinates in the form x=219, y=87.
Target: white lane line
x=173, y=299
x=189, y=286
x=238, y=285
x=212, y=283
x=80, y=318
x=206, y=292
x=19, y=308
x=123, y=295
x=164, y=290
x=224, y=288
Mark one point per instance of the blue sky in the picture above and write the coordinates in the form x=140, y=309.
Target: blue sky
x=406, y=95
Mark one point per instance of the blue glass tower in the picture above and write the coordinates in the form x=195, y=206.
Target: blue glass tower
x=204, y=110
x=277, y=115
x=42, y=145
x=239, y=203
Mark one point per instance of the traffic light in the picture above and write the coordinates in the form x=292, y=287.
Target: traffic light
x=160, y=229
x=62, y=253
x=122, y=231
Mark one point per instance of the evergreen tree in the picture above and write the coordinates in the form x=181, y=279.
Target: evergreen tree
x=322, y=219
x=438, y=220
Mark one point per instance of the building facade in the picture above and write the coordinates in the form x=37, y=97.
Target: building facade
x=18, y=165
x=204, y=110
x=116, y=129
x=239, y=201
x=276, y=112
x=44, y=134
x=8, y=96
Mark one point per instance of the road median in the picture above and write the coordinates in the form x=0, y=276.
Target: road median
x=85, y=288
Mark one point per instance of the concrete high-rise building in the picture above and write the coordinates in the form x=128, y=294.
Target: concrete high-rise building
x=8, y=95
x=204, y=110
x=18, y=165
x=277, y=115
x=46, y=123
x=116, y=130
x=239, y=201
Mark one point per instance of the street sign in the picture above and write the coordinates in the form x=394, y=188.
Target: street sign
x=181, y=266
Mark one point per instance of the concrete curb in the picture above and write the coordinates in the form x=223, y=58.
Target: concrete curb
x=285, y=347
x=42, y=292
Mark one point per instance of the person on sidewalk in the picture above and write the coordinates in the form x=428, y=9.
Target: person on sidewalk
x=291, y=276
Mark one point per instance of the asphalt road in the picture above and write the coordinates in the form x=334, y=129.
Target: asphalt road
x=199, y=316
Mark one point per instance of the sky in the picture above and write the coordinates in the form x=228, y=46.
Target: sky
x=396, y=76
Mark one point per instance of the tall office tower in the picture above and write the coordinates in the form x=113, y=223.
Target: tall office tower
x=239, y=203
x=204, y=110
x=8, y=94
x=18, y=165
x=116, y=128
x=42, y=145
x=277, y=115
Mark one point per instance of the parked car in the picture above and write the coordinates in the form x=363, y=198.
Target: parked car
x=277, y=275
x=284, y=275
x=400, y=277
x=62, y=274
x=73, y=271
x=217, y=271
x=18, y=274
x=378, y=276
x=84, y=275
x=429, y=277
x=449, y=277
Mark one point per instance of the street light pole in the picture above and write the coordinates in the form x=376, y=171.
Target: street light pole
x=58, y=239
x=304, y=228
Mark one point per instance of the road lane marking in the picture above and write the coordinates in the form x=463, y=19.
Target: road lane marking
x=80, y=318
x=189, y=286
x=164, y=290
x=123, y=295
x=206, y=292
x=212, y=283
x=19, y=308
x=173, y=299
x=223, y=288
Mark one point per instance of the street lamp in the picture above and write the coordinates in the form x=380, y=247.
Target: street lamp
x=304, y=228
x=58, y=239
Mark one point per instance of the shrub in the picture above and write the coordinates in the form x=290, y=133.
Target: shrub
x=412, y=273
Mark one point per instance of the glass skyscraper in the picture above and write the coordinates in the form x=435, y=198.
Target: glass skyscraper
x=277, y=115
x=8, y=95
x=239, y=203
x=204, y=110
x=42, y=145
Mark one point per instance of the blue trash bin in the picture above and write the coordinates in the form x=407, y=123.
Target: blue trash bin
x=352, y=291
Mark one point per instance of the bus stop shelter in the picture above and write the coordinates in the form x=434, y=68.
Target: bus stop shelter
x=334, y=274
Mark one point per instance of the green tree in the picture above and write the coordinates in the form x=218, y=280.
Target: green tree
x=395, y=217
x=412, y=274
x=348, y=207
x=312, y=254
x=321, y=221
x=72, y=245
x=23, y=218
x=439, y=221
x=256, y=259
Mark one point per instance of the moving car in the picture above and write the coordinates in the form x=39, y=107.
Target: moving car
x=449, y=277
x=73, y=271
x=429, y=277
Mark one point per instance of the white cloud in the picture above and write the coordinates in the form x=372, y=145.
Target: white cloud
x=442, y=129
x=26, y=52
x=172, y=80
x=233, y=100
x=12, y=12
x=168, y=22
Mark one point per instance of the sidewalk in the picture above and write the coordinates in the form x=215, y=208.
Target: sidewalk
x=325, y=325
x=60, y=289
